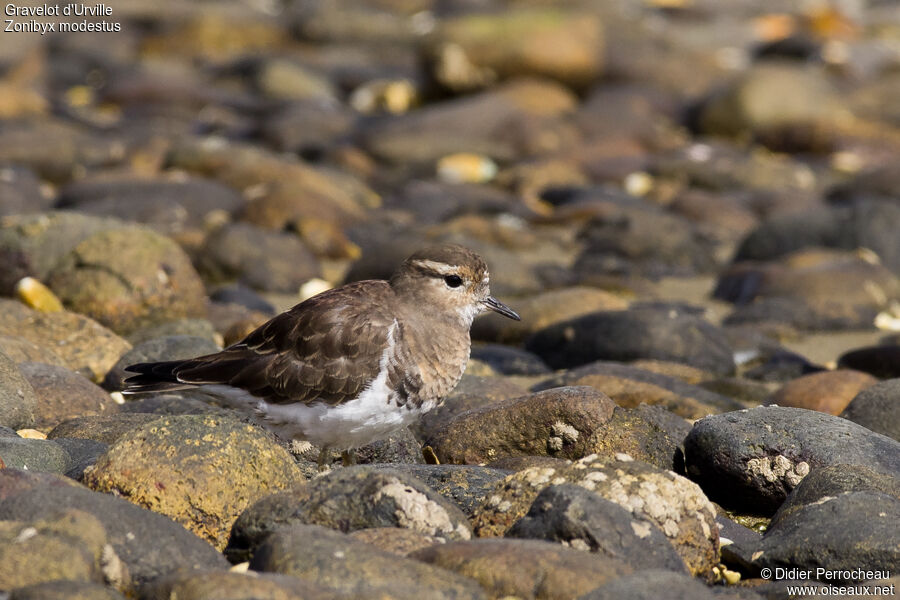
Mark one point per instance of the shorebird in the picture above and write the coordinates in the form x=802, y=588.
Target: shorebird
x=352, y=364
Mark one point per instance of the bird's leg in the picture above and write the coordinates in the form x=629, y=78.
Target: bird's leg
x=348, y=457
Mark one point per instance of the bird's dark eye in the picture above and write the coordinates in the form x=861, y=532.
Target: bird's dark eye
x=453, y=281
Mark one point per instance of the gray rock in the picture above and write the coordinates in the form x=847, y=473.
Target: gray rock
x=876, y=407
x=17, y=398
x=653, y=584
x=20, y=191
x=148, y=544
x=464, y=485
x=189, y=327
x=171, y=347
x=528, y=569
x=880, y=361
x=62, y=394
x=83, y=453
x=331, y=559
x=583, y=520
x=635, y=334
x=834, y=480
x=751, y=459
x=510, y=361
x=272, y=261
x=106, y=429
x=34, y=455
x=65, y=589
x=854, y=530
x=225, y=585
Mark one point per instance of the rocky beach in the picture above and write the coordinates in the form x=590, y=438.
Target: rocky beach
x=693, y=205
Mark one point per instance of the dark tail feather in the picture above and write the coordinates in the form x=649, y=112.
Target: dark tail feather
x=154, y=377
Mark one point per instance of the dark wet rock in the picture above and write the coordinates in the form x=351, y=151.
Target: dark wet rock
x=20, y=191
x=18, y=401
x=172, y=347
x=263, y=517
x=583, y=520
x=875, y=408
x=639, y=239
x=558, y=422
x=308, y=128
x=503, y=123
x=148, y=544
x=82, y=454
x=634, y=334
x=880, y=361
x=200, y=470
x=129, y=278
x=106, y=429
x=545, y=309
x=751, y=459
x=62, y=394
x=34, y=455
x=652, y=584
x=647, y=433
x=630, y=387
x=829, y=392
x=32, y=245
x=754, y=107
x=781, y=365
x=168, y=205
x=335, y=560
x=510, y=361
x=464, y=485
x=472, y=51
x=831, y=481
x=395, y=540
x=850, y=531
x=528, y=569
x=472, y=392
x=68, y=545
x=83, y=345
x=224, y=585
x=272, y=261
x=65, y=589
x=435, y=202
x=674, y=504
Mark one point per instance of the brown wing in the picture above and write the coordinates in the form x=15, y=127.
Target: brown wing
x=327, y=349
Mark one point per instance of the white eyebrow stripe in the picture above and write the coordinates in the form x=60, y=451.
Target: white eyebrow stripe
x=437, y=267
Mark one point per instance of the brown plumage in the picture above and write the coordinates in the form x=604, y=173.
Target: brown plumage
x=329, y=367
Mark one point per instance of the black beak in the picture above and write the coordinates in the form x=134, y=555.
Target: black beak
x=498, y=307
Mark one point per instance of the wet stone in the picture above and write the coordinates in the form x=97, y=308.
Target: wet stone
x=583, y=520
x=200, y=470
x=634, y=334
x=875, y=408
x=334, y=560
x=751, y=459
x=62, y=395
